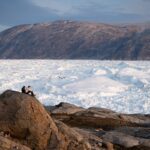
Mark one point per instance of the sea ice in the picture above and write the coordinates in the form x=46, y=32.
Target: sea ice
x=122, y=86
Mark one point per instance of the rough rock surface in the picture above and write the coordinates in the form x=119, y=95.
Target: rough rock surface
x=63, y=110
x=73, y=139
x=98, y=117
x=25, y=118
x=76, y=40
x=113, y=130
x=126, y=140
x=25, y=124
x=66, y=108
x=7, y=144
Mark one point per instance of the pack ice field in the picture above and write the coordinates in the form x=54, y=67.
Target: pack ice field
x=122, y=86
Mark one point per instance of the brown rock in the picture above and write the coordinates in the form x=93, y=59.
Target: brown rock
x=73, y=139
x=102, y=118
x=95, y=141
x=95, y=119
x=65, y=108
x=121, y=139
x=145, y=142
x=140, y=132
x=140, y=120
x=25, y=124
x=7, y=144
x=102, y=110
x=25, y=119
x=108, y=145
x=127, y=141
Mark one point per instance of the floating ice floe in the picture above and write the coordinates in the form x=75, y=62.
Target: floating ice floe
x=103, y=85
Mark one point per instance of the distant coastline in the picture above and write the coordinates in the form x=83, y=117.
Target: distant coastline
x=76, y=40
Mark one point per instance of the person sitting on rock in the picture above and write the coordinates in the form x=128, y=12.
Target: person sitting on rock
x=29, y=91
x=23, y=89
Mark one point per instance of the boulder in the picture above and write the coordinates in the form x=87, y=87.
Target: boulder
x=126, y=141
x=102, y=110
x=95, y=141
x=98, y=118
x=73, y=139
x=95, y=119
x=63, y=110
x=78, y=116
x=136, y=119
x=121, y=139
x=66, y=108
x=7, y=144
x=26, y=119
x=140, y=132
x=26, y=125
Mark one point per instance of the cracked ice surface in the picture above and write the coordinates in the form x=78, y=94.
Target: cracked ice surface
x=122, y=86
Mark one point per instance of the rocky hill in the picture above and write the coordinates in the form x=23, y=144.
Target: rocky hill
x=76, y=40
x=26, y=125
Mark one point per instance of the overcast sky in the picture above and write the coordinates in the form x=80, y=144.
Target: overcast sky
x=15, y=12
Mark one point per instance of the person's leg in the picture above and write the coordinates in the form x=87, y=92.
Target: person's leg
x=32, y=94
x=28, y=92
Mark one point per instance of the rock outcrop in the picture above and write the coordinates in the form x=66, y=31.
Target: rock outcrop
x=7, y=144
x=25, y=118
x=127, y=141
x=26, y=122
x=26, y=125
x=96, y=117
x=113, y=130
x=76, y=40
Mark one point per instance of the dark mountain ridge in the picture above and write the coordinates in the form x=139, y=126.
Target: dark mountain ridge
x=76, y=40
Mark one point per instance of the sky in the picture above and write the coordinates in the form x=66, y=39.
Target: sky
x=16, y=12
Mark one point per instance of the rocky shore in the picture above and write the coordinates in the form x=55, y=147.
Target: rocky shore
x=25, y=124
